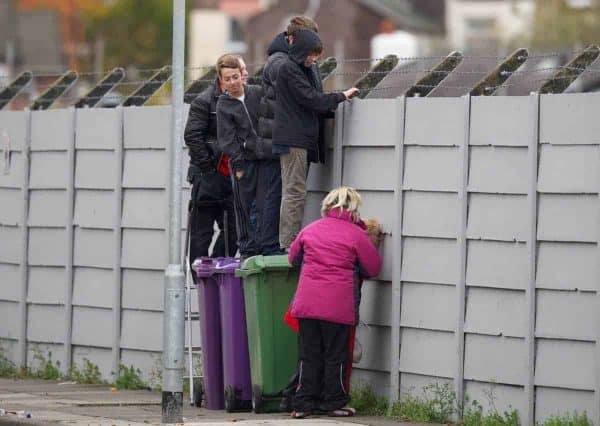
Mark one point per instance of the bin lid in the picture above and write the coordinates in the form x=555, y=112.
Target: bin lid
x=227, y=265
x=208, y=266
x=256, y=264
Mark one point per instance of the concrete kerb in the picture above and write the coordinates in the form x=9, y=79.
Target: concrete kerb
x=50, y=402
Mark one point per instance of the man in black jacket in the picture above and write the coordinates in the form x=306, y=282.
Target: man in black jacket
x=298, y=104
x=270, y=185
x=237, y=120
x=209, y=175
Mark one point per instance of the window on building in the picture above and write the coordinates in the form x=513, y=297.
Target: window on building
x=481, y=35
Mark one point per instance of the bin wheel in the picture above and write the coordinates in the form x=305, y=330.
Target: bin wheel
x=257, y=400
x=198, y=392
x=230, y=399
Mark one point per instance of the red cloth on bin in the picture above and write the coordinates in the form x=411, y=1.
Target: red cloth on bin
x=292, y=322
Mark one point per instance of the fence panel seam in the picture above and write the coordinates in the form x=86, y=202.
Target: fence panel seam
x=397, y=253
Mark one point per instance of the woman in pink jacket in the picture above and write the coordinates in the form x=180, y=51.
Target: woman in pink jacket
x=334, y=253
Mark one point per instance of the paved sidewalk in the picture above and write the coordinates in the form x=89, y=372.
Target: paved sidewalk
x=50, y=402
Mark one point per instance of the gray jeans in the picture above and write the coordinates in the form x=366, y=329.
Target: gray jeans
x=294, y=169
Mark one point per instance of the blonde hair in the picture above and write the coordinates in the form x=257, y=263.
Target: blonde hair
x=343, y=198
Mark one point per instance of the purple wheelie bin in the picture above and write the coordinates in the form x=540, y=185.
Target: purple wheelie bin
x=210, y=332
x=236, y=360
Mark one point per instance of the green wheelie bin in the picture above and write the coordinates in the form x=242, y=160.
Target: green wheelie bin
x=269, y=286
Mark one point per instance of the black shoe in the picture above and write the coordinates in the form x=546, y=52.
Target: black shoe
x=285, y=406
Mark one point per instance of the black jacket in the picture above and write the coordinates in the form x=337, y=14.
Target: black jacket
x=201, y=139
x=201, y=130
x=299, y=102
x=236, y=126
x=278, y=52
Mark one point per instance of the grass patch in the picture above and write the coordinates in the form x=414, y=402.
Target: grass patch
x=7, y=367
x=568, y=419
x=47, y=369
x=436, y=405
x=89, y=373
x=474, y=416
x=129, y=378
x=366, y=403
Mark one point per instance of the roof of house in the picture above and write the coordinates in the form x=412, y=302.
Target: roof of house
x=411, y=15
x=39, y=41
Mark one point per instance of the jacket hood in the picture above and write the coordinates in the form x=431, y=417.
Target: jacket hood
x=217, y=87
x=279, y=44
x=305, y=41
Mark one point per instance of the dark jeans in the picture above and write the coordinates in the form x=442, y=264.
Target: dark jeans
x=268, y=202
x=323, y=350
x=257, y=193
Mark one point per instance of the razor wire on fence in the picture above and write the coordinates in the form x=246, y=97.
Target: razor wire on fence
x=400, y=76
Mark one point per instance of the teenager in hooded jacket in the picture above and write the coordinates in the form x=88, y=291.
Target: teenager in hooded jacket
x=334, y=253
x=298, y=104
x=271, y=184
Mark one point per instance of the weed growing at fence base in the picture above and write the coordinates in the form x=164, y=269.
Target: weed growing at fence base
x=437, y=404
x=129, y=378
x=47, y=369
x=7, y=367
x=474, y=416
x=364, y=400
x=574, y=419
x=89, y=373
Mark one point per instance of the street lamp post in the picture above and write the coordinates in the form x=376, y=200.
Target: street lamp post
x=174, y=292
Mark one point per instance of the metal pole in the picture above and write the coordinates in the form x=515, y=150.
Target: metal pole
x=174, y=296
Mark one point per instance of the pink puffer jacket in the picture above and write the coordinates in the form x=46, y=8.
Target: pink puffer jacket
x=334, y=253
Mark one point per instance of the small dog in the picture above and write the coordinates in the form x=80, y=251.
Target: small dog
x=374, y=230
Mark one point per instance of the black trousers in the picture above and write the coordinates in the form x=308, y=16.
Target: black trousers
x=323, y=350
x=259, y=186
x=204, y=212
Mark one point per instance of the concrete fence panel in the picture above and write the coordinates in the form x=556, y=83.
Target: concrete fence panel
x=490, y=274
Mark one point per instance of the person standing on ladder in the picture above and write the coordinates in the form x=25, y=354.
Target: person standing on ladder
x=209, y=176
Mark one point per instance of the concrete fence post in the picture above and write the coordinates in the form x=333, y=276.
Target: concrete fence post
x=397, y=250
x=118, y=234
x=70, y=238
x=24, y=265
x=461, y=285
x=530, y=291
x=338, y=145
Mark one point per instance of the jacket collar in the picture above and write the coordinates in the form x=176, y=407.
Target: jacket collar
x=217, y=89
x=341, y=214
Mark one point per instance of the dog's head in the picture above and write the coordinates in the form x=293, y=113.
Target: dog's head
x=374, y=231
